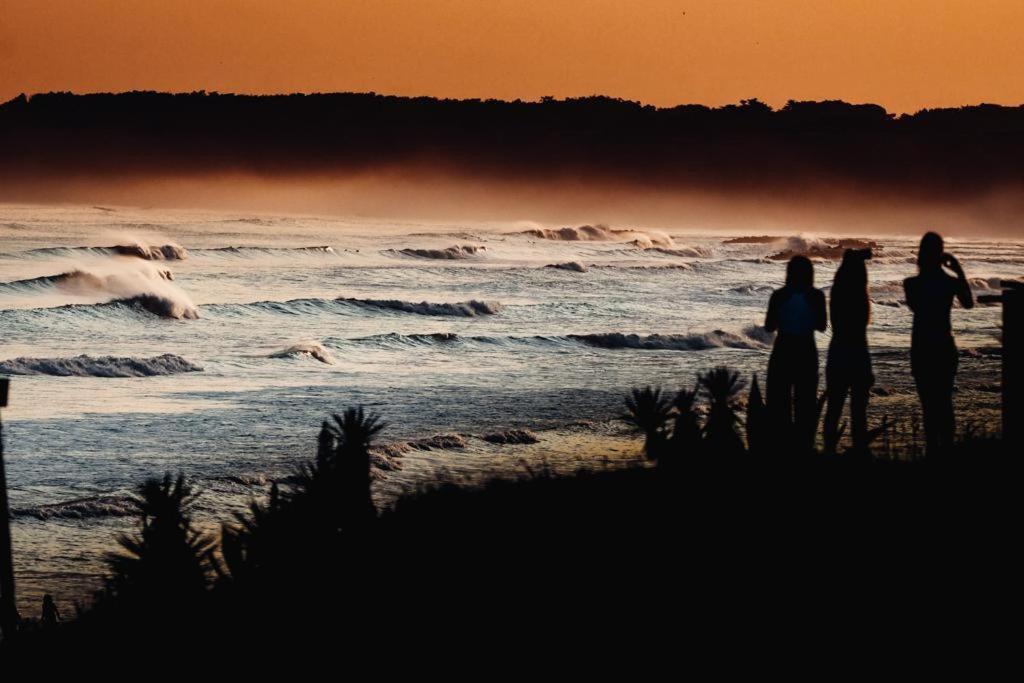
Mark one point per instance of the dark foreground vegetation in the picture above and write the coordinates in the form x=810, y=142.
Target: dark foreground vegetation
x=720, y=540
x=933, y=154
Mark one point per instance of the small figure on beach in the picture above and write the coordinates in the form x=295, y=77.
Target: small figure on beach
x=933, y=352
x=795, y=312
x=50, y=614
x=848, y=368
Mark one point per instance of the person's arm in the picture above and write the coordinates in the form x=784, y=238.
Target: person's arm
x=963, y=288
x=820, y=313
x=910, y=292
x=771, y=320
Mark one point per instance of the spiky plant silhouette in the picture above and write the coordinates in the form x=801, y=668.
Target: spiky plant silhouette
x=167, y=561
x=256, y=543
x=721, y=387
x=758, y=426
x=648, y=410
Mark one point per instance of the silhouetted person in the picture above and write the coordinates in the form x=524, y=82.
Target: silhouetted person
x=848, y=368
x=50, y=615
x=933, y=354
x=795, y=311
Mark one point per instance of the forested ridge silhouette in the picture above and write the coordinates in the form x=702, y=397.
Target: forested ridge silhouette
x=937, y=152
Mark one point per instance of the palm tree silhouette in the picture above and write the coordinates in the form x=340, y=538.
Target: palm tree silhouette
x=648, y=412
x=168, y=560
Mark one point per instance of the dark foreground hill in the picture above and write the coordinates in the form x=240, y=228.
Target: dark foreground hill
x=933, y=153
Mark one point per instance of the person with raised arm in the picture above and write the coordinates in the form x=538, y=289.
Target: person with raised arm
x=795, y=312
x=933, y=353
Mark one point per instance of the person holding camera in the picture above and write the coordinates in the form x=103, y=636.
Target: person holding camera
x=848, y=368
x=795, y=312
x=933, y=352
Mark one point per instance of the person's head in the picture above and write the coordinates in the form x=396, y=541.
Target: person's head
x=800, y=273
x=929, y=254
x=850, y=286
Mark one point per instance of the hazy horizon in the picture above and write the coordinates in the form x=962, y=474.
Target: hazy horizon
x=905, y=55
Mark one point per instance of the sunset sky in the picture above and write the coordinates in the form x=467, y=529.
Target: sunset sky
x=903, y=54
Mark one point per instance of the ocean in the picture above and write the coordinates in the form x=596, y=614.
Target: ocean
x=142, y=341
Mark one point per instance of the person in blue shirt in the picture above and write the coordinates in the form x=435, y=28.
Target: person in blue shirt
x=795, y=312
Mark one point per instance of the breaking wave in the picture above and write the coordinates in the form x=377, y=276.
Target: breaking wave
x=574, y=266
x=463, y=251
x=99, y=366
x=600, y=233
x=118, y=281
x=80, y=282
x=314, y=350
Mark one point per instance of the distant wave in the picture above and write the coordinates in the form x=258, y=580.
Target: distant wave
x=81, y=508
x=77, y=282
x=162, y=306
x=681, y=251
x=99, y=366
x=600, y=233
x=574, y=266
x=253, y=251
x=751, y=337
x=824, y=248
x=751, y=289
x=147, y=252
x=754, y=239
x=511, y=436
x=314, y=350
x=438, y=442
x=670, y=342
x=468, y=309
x=459, y=251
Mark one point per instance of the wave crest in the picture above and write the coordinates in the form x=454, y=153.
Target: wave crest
x=601, y=233
x=468, y=309
x=314, y=350
x=670, y=342
x=457, y=252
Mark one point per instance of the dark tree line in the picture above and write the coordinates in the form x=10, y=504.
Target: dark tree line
x=942, y=152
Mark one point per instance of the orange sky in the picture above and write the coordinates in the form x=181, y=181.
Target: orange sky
x=903, y=54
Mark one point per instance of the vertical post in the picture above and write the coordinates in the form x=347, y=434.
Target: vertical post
x=8, y=608
x=1013, y=367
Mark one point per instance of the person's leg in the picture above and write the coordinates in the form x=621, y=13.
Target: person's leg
x=805, y=405
x=836, y=397
x=943, y=416
x=859, y=417
x=926, y=393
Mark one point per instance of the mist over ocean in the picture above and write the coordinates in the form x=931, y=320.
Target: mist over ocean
x=144, y=341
